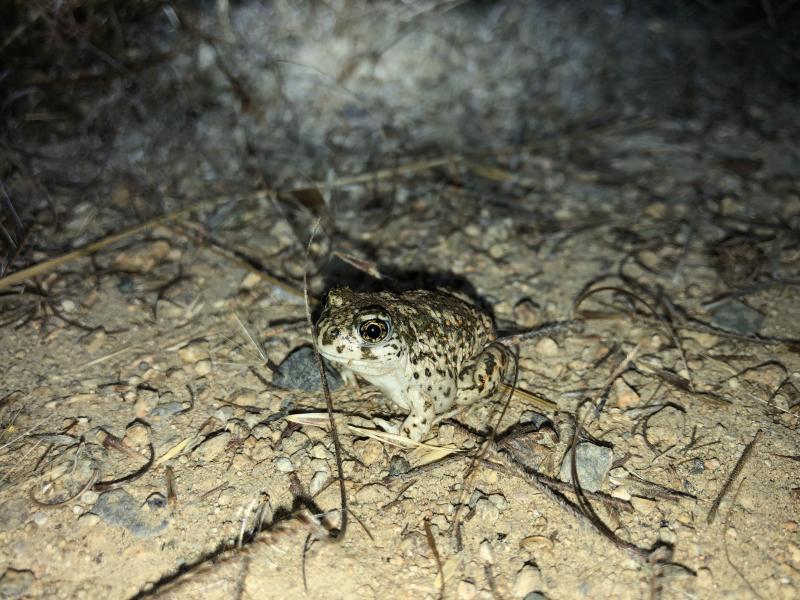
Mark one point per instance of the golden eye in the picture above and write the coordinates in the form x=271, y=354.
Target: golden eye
x=373, y=330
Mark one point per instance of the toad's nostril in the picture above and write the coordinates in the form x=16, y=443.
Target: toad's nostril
x=335, y=332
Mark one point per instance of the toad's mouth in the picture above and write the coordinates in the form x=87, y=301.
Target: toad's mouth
x=361, y=366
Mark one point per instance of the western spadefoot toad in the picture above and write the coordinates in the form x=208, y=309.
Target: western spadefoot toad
x=429, y=352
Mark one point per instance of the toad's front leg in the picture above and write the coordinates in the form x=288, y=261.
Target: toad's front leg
x=420, y=420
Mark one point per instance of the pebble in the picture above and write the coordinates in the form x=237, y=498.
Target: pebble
x=735, y=316
x=526, y=313
x=89, y=497
x=297, y=441
x=13, y=513
x=536, y=543
x=643, y=505
x=369, y=451
x=167, y=409
x=202, y=367
x=497, y=251
x=485, y=552
x=546, y=347
x=39, y=518
x=146, y=400
x=592, y=462
x=372, y=493
x=250, y=281
x=261, y=432
x=14, y=583
x=319, y=450
x=398, y=465
x=298, y=371
x=621, y=493
x=498, y=500
x=142, y=258
x=88, y=520
x=244, y=397
x=118, y=507
x=625, y=394
x=466, y=590
x=284, y=465
x=486, y=512
x=211, y=448
x=527, y=580
x=318, y=481
x=137, y=435
x=193, y=352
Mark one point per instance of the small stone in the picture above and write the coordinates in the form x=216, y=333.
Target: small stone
x=320, y=451
x=537, y=543
x=39, y=518
x=369, y=451
x=656, y=210
x=284, y=465
x=485, y=552
x=621, y=493
x=546, y=347
x=261, y=432
x=625, y=394
x=318, y=481
x=398, y=465
x=735, y=316
x=244, y=397
x=297, y=441
x=498, y=500
x=473, y=230
x=89, y=497
x=486, y=512
x=466, y=590
x=643, y=505
x=527, y=313
x=137, y=435
x=15, y=583
x=531, y=417
x=528, y=579
x=202, y=367
x=250, y=281
x=193, y=352
x=213, y=447
x=497, y=251
x=88, y=520
x=13, y=513
x=142, y=258
x=167, y=409
x=224, y=498
x=119, y=508
x=146, y=400
x=790, y=526
x=155, y=501
x=298, y=371
x=592, y=463
x=372, y=493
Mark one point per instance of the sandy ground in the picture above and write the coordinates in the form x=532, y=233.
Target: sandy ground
x=145, y=451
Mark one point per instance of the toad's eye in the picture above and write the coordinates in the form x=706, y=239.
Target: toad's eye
x=373, y=330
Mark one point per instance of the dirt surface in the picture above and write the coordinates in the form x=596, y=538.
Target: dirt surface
x=145, y=451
